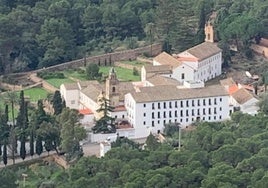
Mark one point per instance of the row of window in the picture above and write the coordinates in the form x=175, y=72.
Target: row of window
x=187, y=120
x=186, y=113
x=208, y=61
x=186, y=103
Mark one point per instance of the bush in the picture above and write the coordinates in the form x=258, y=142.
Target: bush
x=135, y=71
x=49, y=75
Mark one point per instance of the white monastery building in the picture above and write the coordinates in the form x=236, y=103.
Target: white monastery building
x=171, y=90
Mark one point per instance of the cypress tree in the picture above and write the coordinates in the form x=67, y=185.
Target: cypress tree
x=39, y=145
x=5, y=154
x=22, y=122
x=57, y=103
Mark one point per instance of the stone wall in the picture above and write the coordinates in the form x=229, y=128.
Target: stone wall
x=107, y=59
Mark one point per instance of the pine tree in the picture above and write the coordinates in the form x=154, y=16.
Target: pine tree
x=106, y=123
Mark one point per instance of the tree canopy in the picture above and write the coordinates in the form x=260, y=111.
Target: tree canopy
x=44, y=33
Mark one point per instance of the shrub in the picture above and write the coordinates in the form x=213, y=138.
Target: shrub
x=135, y=71
x=49, y=75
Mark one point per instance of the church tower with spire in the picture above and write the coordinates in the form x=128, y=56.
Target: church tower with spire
x=112, y=88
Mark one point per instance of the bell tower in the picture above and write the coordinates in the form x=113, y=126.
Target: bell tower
x=209, y=32
x=112, y=90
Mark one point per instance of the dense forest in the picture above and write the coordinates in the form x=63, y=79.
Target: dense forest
x=229, y=154
x=41, y=33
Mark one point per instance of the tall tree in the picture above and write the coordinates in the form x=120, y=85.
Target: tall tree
x=71, y=133
x=106, y=123
x=22, y=122
x=57, y=103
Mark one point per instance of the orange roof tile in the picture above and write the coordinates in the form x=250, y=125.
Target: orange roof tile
x=233, y=89
x=85, y=111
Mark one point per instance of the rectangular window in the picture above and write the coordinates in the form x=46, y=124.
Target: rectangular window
x=204, y=111
x=153, y=106
x=181, y=113
x=144, y=105
x=187, y=103
x=220, y=117
x=192, y=112
x=159, y=105
x=215, y=110
x=181, y=103
x=182, y=76
x=164, y=104
x=176, y=113
x=158, y=121
x=204, y=102
x=220, y=108
x=209, y=101
x=153, y=115
x=144, y=114
x=192, y=102
x=152, y=123
x=170, y=114
x=209, y=111
x=158, y=114
x=164, y=114
x=164, y=122
x=215, y=101
x=198, y=112
x=187, y=114
x=198, y=102
x=170, y=105
x=176, y=104
x=220, y=99
x=144, y=123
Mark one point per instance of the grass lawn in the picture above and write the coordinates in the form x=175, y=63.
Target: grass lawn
x=75, y=75
x=122, y=73
x=56, y=82
x=35, y=94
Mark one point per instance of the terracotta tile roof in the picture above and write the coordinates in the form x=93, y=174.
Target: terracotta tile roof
x=187, y=58
x=169, y=92
x=242, y=96
x=227, y=82
x=93, y=91
x=71, y=86
x=232, y=89
x=204, y=50
x=166, y=59
x=86, y=111
x=160, y=69
x=161, y=80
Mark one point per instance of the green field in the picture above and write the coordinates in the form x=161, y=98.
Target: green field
x=56, y=82
x=122, y=73
x=134, y=63
x=35, y=94
x=75, y=75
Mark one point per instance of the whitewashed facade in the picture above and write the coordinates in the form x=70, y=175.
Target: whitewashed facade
x=203, y=104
